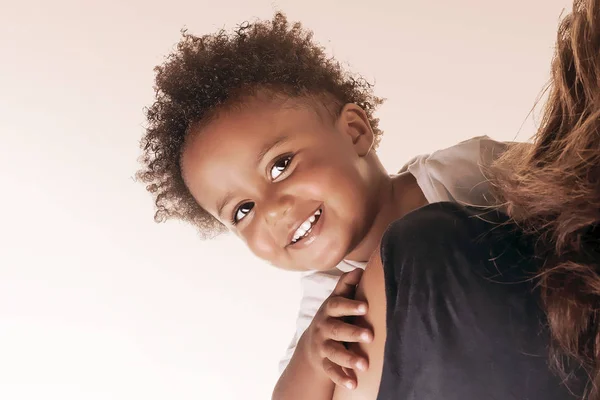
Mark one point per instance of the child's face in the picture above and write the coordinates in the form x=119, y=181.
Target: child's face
x=297, y=188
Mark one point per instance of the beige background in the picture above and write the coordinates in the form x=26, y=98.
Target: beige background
x=97, y=301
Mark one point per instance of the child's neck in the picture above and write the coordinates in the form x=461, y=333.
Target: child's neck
x=399, y=194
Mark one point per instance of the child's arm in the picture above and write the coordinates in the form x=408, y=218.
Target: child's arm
x=320, y=356
x=300, y=380
x=316, y=288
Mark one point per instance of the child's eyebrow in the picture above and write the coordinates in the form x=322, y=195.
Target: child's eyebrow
x=222, y=203
x=270, y=146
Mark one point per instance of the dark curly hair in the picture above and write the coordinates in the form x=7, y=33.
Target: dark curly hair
x=552, y=190
x=205, y=74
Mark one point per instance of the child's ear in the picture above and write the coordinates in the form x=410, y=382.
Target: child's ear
x=354, y=122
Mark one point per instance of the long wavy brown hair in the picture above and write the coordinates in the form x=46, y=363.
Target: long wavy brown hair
x=552, y=190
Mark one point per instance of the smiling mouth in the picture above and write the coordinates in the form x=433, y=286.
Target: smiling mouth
x=306, y=227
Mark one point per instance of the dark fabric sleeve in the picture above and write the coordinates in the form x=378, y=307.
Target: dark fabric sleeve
x=463, y=319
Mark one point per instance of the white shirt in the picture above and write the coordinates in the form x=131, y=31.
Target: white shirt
x=453, y=174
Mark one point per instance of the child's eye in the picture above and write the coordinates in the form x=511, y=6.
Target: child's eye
x=280, y=166
x=242, y=211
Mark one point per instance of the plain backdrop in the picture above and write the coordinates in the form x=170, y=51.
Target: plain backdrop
x=99, y=302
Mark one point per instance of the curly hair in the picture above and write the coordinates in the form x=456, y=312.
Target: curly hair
x=205, y=74
x=552, y=189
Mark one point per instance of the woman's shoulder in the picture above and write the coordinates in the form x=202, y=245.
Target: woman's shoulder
x=460, y=293
x=451, y=331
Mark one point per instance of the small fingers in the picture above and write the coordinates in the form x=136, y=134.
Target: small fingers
x=347, y=283
x=338, y=306
x=337, y=374
x=337, y=353
x=340, y=331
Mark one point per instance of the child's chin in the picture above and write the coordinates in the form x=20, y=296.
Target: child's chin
x=312, y=265
x=322, y=255
x=329, y=264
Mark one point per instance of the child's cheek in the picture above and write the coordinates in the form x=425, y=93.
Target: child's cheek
x=258, y=241
x=313, y=185
x=317, y=180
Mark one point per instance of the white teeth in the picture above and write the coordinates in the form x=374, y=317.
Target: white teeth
x=306, y=226
x=299, y=233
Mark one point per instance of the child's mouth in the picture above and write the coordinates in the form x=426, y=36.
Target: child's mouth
x=306, y=227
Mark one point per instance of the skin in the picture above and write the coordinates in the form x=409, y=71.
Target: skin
x=332, y=167
x=264, y=167
x=371, y=290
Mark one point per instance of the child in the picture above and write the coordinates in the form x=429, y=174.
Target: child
x=258, y=132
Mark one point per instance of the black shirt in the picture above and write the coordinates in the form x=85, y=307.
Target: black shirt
x=463, y=314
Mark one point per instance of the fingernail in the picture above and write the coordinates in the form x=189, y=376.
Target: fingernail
x=362, y=308
x=350, y=385
x=360, y=364
x=365, y=337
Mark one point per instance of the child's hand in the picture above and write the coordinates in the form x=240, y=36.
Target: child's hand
x=328, y=331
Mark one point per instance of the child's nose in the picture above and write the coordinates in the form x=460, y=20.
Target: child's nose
x=278, y=209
